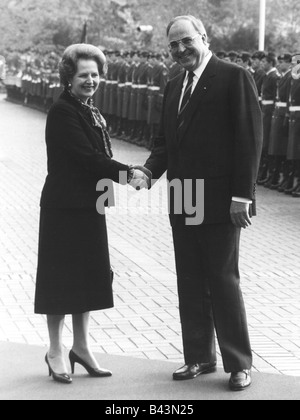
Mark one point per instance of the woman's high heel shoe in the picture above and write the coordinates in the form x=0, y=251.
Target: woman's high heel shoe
x=63, y=378
x=95, y=373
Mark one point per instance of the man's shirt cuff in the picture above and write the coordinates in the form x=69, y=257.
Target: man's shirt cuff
x=242, y=200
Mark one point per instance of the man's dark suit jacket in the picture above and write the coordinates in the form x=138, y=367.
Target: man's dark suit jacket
x=220, y=141
x=77, y=160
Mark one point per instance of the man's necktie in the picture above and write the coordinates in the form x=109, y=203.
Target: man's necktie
x=186, y=99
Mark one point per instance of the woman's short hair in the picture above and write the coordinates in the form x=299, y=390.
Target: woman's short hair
x=197, y=23
x=76, y=52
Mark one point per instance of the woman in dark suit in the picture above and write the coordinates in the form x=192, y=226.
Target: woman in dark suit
x=74, y=273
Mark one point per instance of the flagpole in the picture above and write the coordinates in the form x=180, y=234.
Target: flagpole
x=84, y=35
x=262, y=25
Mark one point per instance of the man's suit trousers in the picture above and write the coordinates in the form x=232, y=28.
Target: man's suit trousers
x=210, y=297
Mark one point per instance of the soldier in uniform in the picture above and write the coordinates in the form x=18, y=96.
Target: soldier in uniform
x=131, y=65
x=233, y=56
x=48, y=90
x=58, y=88
x=111, y=90
x=293, y=153
x=257, y=71
x=106, y=88
x=122, y=79
x=100, y=94
x=113, y=97
x=26, y=79
x=133, y=99
x=158, y=82
x=269, y=94
x=174, y=70
x=221, y=55
x=142, y=102
x=38, y=89
x=55, y=88
x=280, y=126
x=244, y=60
x=167, y=59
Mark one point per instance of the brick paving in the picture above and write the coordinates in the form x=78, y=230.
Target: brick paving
x=145, y=321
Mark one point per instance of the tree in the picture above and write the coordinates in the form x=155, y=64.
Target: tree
x=113, y=23
x=283, y=25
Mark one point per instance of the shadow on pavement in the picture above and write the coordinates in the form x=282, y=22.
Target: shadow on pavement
x=23, y=376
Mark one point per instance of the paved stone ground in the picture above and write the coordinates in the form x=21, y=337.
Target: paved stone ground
x=145, y=321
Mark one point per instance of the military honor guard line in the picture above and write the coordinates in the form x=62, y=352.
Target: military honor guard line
x=131, y=97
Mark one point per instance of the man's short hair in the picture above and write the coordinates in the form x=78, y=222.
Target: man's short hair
x=271, y=58
x=245, y=56
x=260, y=55
x=197, y=23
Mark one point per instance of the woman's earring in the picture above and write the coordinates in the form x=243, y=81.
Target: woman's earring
x=69, y=86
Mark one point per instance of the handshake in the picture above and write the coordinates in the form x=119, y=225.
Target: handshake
x=140, y=178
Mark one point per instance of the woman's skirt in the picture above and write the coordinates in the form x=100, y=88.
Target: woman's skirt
x=74, y=274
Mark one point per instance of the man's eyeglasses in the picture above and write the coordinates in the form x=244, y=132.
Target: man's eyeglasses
x=186, y=42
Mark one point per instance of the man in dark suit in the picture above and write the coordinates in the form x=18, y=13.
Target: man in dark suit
x=211, y=130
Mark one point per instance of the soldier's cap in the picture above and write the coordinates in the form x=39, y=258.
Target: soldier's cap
x=155, y=55
x=233, y=54
x=145, y=54
x=287, y=57
x=245, y=56
x=117, y=53
x=133, y=53
x=221, y=54
x=259, y=55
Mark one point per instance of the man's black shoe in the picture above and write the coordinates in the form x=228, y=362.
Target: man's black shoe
x=193, y=371
x=275, y=187
x=263, y=181
x=240, y=381
x=285, y=184
x=290, y=191
x=296, y=193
